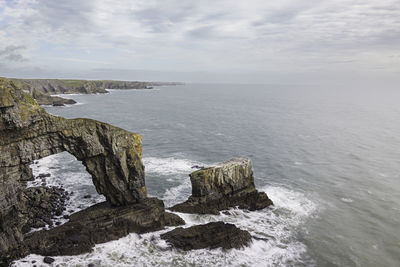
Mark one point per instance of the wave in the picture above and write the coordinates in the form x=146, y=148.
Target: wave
x=170, y=165
x=278, y=226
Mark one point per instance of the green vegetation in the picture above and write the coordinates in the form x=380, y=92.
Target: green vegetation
x=29, y=99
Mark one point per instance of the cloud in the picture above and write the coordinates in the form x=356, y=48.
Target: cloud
x=11, y=53
x=256, y=36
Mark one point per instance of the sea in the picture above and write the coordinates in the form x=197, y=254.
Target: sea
x=327, y=156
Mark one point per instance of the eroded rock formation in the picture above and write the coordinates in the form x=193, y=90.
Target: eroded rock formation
x=98, y=224
x=210, y=235
x=111, y=155
x=228, y=184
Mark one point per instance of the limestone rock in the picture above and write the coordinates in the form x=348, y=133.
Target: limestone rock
x=225, y=185
x=211, y=235
x=27, y=133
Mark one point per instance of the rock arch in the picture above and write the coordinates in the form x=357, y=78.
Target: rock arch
x=111, y=155
x=27, y=132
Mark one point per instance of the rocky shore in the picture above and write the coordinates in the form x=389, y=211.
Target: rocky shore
x=43, y=89
x=113, y=157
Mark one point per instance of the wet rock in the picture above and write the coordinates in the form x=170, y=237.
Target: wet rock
x=87, y=196
x=48, y=260
x=225, y=185
x=197, y=167
x=43, y=175
x=211, y=235
x=98, y=224
x=58, y=105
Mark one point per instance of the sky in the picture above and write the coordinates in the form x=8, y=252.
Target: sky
x=286, y=41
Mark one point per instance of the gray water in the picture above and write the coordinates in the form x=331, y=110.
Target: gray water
x=329, y=157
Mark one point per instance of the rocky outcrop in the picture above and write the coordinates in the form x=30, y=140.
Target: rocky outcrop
x=211, y=235
x=111, y=155
x=38, y=205
x=43, y=99
x=56, y=86
x=98, y=224
x=43, y=89
x=228, y=184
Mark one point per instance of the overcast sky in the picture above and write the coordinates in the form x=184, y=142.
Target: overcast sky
x=286, y=41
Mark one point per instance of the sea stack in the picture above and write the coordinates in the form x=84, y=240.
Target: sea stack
x=228, y=184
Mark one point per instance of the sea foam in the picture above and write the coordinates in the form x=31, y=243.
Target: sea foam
x=275, y=230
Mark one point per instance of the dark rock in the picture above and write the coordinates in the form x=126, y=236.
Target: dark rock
x=58, y=212
x=91, y=265
x=197, y=167
x=87, y=196
x=58, y=105
x=48, y=260
x=98, y=224
x=226, y=185
x=44, y=175
x=66, y=216
x=211, y=235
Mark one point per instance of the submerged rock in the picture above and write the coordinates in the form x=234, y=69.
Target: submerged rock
x=211, y=235
x=98, y=224
x=225, y=185
x=48, y=260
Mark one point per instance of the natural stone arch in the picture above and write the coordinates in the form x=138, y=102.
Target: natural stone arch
x=27, y=133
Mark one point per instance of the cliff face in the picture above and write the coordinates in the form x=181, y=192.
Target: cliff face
x=111, y=155
x=55, y=86
x=42, y=89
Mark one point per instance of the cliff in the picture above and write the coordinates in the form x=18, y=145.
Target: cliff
x=111, y=155
x=42, y=89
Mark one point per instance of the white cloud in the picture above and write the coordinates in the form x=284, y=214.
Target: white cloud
x=213, y=36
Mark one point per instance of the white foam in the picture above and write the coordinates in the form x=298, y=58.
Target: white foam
x=177, y=194
x=347, y=200
x=278, y=224
x=170, y=165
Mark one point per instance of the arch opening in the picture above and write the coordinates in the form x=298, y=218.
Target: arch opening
x=63, y=171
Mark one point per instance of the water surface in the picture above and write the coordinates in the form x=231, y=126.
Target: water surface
x=329, y=157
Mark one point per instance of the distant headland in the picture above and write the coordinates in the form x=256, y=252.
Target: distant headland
x=43, y=90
